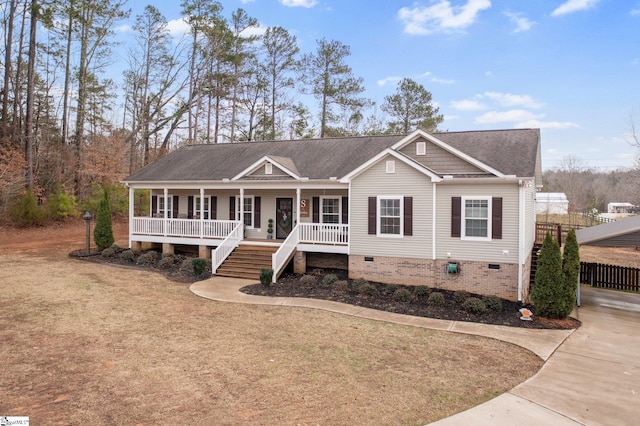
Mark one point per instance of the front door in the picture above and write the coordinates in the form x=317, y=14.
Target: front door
x=284, y=217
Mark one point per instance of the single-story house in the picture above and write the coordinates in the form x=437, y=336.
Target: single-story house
x=452, y=210
x=621, y=233
x=552, y=203
x=624, y=208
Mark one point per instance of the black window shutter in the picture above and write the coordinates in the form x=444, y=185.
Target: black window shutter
x=408, y=215
x=345, y=210
x=256, y=212
x=176, y=200
x=316, y=210
x=456, y=216
x=154, y=205
x=190, y=207
x=232, y=208
x=496, y=218
x=213, y=207
x=373, y=214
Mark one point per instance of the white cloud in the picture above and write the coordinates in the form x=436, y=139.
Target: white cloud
x=389, y=80
x=425, y=74
x=299, y=3
x=522, y=23
x=442, y=80
x=247, y=1
x=634, y=12
x=467, y=105
x=511, y=100
x=571, y=6
x=178, y=27
x=441, y=16
x=125, y=28
x=512, y=116
x=545, y=124
x=488, y=74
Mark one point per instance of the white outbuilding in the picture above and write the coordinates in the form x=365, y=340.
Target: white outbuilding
x=552, y=203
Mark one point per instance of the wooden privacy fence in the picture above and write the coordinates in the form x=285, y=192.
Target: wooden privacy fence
x=610, y=276
x=555, y=229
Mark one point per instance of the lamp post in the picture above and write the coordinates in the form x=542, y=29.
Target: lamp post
x=87, y=218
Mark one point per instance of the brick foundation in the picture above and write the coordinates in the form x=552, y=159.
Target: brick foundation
x=474, y=277
x=327, y=261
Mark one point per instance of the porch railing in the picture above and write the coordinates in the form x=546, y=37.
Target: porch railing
x=225, y=248
x=324, y=233
x=280, y=258
x=183, y=227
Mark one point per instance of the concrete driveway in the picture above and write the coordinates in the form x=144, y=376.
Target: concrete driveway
x=593, y=378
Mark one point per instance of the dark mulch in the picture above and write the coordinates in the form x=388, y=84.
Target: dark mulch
x=381, y=296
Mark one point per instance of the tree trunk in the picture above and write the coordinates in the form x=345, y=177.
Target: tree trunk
x=31, y=71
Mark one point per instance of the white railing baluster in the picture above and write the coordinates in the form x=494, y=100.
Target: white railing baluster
x=220, y=253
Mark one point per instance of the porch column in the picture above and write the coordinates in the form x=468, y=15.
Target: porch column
x=131, y=213
x=166, y=210
x=241, y=208
x=202, y=213
x=298, y=193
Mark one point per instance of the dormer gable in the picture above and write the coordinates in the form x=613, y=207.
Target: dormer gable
x=270, y=168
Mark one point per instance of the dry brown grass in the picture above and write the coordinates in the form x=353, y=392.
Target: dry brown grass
x=91, y=344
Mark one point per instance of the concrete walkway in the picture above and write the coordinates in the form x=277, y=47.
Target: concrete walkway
x=591, y=375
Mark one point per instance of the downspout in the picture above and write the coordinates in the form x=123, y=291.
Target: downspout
x=131, y=212
x=521, y=237
x=166, y=211
x=433, y=222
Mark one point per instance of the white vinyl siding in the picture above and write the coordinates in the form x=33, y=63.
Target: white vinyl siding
x=405, y=182
x=504, y=250
x=440, y=160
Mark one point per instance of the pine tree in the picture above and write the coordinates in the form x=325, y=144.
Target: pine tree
x=547, y=292
x=571, y=267
x=103, y=232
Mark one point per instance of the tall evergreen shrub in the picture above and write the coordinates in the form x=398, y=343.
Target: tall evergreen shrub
x=548, y=293
x=571, y=267
x=103, y=232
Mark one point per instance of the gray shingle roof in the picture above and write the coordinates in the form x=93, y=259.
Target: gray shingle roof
x=512, y=152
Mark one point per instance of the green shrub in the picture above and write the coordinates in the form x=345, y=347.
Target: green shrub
x=474, y=305
x=118, y=198
x=266, y=275
x=329, y=279
x=308, y=281
x=436, y=298
x=25, y=211
x=61, y=205
x=109, y=252
x=461, y=296
x=359, y=281
x=493, y=303
x=391, y=288
x=341, y=286
x=570, y=269
x=128, y=255
x=421, y=292
x=199, y=265
x=103, y=231
x=167, y=261
x=402, y=295
x=147, y=258
x=548, y=292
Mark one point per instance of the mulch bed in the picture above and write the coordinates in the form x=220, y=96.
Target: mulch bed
x=382, y=298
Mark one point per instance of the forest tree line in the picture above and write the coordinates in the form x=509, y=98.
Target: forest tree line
x=68, y=125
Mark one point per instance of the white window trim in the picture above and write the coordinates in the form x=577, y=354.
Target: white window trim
x=421, y=148
x=339, y=208
x=253, y=209
x=170, y=202
x=400, y=198
x=463, y=218
x=207, y=210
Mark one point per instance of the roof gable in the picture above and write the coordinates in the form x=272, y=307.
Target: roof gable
x=284, y=167
x=391, y=153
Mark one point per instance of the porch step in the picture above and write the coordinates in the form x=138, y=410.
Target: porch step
x=246, y=261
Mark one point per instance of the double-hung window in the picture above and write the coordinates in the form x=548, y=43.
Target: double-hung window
x=162, y=207
x=331, y=210
x=247, y=205
x=476, y=218
x=198, y=211
x=390, y=216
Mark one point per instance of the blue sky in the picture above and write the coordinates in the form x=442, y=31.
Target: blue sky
x=569, y=67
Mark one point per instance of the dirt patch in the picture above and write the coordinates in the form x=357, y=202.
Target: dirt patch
x=93, y=344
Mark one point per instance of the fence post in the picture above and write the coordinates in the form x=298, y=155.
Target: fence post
x=560, y=234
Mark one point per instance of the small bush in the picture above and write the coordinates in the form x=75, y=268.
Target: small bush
x=128, y=255
x=359, y=281
x=148, y=258
x=62, y=205
x=402, y=295
x=436, y=298
x=461, y=296
x=329, y=279
x=308, y=281
x=109, y=252
x=167, y=261
x=391, y=288
x=368, y=289
x=199, y=265
x=266, y=275
x=25, y=211
x=421, y=292
x=474, y=305
x=103, y=231
x=493, y=303
x=341, y=286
